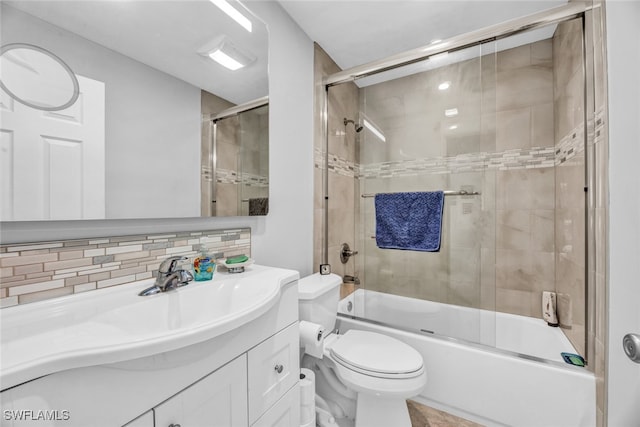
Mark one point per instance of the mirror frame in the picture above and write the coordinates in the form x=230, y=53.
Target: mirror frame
x=76, y=86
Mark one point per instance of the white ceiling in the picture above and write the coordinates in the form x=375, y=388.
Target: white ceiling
x=166, y=35
x=354, y=32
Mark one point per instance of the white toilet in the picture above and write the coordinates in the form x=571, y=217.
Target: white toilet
x=363, y=378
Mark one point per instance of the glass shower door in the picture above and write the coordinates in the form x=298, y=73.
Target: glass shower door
x=253, y=162
x=427, y=127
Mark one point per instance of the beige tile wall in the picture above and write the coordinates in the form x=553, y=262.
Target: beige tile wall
x=524, y=197
x=253, y=157
x=498, y=248
x=228, y=147
x=569, y=184
x=38, y=271
x=210, y=104
x=342, y=173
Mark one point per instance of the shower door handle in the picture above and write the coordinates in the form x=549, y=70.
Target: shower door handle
x=631, y=345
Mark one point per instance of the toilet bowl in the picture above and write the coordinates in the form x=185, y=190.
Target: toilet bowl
x=365, y=377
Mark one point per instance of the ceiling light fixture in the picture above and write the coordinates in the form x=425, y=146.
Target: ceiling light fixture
x=233, y=14
x=453, y=127
x=444, y=85
x=225, y=53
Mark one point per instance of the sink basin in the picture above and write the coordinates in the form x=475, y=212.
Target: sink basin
x=115, y=324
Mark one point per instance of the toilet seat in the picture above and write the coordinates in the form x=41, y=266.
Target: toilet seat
x=376, y=355
x=376, y=364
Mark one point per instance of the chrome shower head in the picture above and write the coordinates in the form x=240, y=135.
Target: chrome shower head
x=357, y=126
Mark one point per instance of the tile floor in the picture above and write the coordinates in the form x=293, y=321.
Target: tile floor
x=424, y=416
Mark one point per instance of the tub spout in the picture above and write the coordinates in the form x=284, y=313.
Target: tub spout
x=350, y=279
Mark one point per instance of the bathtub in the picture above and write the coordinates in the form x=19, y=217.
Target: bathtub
x=498, y=369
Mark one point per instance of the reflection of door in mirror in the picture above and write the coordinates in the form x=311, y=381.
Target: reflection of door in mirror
x=53, y=162
x=235, y=159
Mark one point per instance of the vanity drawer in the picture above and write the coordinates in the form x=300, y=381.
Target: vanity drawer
x=285, y=412
x=273, y=368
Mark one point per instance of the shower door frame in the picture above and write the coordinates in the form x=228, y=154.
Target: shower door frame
x=491, y=33
x=213, y=141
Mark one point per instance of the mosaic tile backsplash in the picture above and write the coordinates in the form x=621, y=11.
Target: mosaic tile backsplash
x=38, y=271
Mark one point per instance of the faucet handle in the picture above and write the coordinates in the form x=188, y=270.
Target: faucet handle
x=185, y=276
x=169, y=264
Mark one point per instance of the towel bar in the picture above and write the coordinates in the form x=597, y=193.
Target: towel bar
x=446, y=193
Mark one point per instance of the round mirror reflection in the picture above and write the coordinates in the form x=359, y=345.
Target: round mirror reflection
x=37, y=78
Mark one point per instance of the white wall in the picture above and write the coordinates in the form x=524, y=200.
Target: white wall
x=283, y=238
x=623, y=61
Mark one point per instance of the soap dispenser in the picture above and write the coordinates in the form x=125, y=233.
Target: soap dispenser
x=203, y=265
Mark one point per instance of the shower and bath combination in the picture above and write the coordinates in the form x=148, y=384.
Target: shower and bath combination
x=420, y=298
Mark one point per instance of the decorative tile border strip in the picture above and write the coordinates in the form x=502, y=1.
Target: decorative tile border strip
x=252, y=180
x=600, y=122
x=37, y=271
x=228, y=176
x=536, y=157
x=570, y=145
x=337, y=164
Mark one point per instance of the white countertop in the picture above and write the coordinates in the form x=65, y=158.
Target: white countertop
x=115, y=324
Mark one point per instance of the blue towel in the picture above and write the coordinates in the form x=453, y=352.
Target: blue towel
x=410, y=221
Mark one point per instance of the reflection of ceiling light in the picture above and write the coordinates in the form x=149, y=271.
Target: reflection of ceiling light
x=225, y=60
x=225, y=53
x=374, y=130
x=233, y=13
x=435, y=41
x=444, y=85
x=451, y=112
x=453, y=127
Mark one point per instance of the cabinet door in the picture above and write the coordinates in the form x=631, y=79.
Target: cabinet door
x=274, y=367
x=217, y=400
x=285, y=413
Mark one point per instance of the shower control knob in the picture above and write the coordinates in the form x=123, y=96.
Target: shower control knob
x=346, y=253
x=631, y=344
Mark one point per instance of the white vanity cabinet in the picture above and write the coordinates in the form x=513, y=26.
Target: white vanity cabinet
x=258, y=388
x=217, y=400
x=274, y=367
x=245, y=377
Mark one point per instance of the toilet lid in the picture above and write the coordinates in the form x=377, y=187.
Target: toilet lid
x=376, y=353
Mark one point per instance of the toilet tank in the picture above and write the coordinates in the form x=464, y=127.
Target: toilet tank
x=318, y=298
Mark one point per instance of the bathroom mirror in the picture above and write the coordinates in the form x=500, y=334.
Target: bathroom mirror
x=131, y=145
x=37, y=78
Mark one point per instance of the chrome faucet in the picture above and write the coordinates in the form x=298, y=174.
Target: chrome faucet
x=169, y=277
